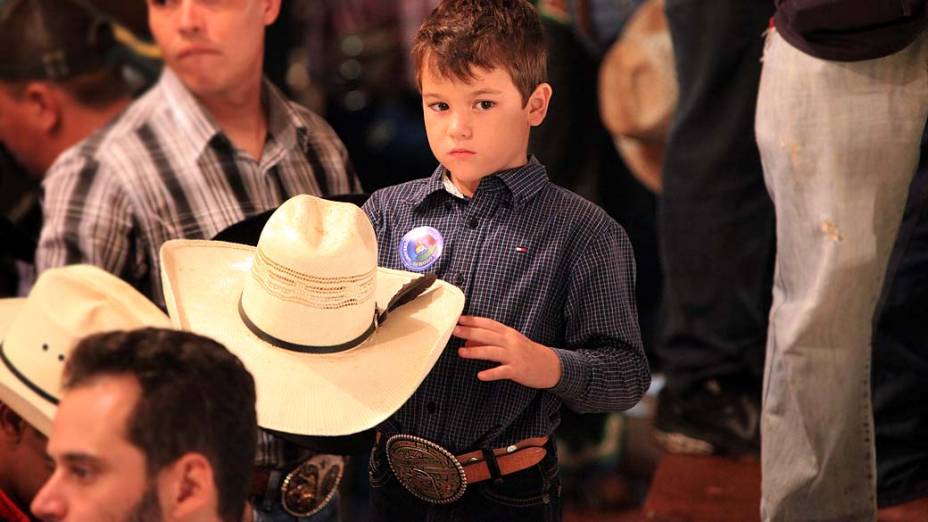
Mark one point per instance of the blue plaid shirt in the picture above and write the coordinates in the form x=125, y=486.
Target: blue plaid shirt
x=539, y=259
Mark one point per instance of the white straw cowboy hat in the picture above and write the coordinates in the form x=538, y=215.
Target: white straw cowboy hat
x=38, y=333
x=304, y=311
x=638, y=92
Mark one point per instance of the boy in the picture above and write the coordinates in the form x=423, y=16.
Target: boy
x=549, y=277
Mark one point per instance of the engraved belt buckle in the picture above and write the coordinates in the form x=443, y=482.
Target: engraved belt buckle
x=311, y=486
x=425, y=469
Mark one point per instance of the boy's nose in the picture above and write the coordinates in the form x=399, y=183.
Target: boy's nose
x=460, y=126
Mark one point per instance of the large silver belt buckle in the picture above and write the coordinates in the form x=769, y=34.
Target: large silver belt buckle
x=311, y=486
x=425, y=469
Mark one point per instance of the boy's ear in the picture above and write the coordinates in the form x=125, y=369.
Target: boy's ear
x=538, y=104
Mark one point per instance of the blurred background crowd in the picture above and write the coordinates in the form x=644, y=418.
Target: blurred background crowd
x=653, y=119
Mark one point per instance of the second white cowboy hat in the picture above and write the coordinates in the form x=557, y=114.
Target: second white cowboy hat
x=304, y=311
x=38, y=333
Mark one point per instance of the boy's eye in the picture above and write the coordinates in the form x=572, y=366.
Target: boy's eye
x=439, y=106
x=485, y=105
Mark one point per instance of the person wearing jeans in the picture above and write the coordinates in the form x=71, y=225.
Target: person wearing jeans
x=839, y=124
x=716, y=232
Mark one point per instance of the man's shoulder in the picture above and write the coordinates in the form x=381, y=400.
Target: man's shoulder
x=110, y=141
x=312, y=121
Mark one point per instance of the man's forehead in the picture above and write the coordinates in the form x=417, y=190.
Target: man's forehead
x=94, y=415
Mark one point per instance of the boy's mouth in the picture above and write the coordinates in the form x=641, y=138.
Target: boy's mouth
x=460, y=153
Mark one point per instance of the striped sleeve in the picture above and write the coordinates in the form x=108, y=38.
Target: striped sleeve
x=86, y=218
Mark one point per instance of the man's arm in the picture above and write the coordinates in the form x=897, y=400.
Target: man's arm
x=86, y=219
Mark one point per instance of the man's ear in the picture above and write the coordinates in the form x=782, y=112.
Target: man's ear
x=11, y=425
x=186, y=488
x=537, y=105
x=271, y=10
x=44, y=105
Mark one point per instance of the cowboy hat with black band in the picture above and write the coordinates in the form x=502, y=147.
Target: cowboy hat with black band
x=37, y=333
x=335, y=343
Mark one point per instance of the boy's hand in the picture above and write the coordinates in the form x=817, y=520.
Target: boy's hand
x=520, y=359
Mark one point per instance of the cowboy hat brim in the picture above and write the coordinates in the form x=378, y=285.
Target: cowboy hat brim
x=35, y=410
x=311, y=394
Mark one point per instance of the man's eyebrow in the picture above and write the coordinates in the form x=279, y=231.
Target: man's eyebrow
x=80, y=458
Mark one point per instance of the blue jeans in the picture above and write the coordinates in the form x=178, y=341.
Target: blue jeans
x=276, y=513
x=839, y=143
x=530, y=495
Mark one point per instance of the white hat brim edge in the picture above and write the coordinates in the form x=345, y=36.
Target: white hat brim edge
x=35, y=410
x=323, y=395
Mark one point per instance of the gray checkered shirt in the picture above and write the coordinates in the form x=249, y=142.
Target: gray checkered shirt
x=164, y=170
x=542, y=260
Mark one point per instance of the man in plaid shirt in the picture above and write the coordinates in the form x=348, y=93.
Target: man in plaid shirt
x=211, y=144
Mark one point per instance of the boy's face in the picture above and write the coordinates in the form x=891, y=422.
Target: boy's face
x=478, y=128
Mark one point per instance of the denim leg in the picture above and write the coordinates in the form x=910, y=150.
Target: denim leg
x=839, y=143
x=900, y=356
x=276, y=513
x=715, y=220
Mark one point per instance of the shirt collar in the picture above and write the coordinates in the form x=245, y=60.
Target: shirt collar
x=197, y=128
x=521, y=183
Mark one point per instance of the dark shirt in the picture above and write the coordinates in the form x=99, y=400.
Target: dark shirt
x=539, y=259
x=850, y=30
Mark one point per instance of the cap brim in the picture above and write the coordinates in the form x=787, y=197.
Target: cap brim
x=35, y=410
x=311, y=394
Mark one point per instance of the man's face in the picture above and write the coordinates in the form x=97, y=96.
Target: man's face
x=214, y=46
x=478, y=127
x=18, y=132
x=25, y=465
x=99, y=475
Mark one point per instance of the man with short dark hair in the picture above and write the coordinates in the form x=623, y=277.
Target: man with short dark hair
x=212, y=143
x=152, y=425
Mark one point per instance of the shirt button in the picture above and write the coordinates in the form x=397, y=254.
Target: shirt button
x=472, y=223
x=458, y=279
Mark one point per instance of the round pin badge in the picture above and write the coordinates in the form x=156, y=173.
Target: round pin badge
x=420, y=248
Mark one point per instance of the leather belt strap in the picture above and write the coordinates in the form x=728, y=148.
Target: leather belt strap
x=516, y=457
x=260, y=477
x=521, y=455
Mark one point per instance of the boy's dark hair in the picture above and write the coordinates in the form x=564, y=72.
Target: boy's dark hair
x=461, y=34
x=60, y=41
x=196, y=396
